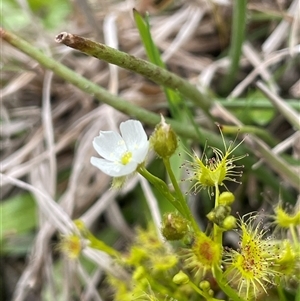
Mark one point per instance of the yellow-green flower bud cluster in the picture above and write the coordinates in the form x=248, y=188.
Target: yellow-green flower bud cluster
x=221, y=217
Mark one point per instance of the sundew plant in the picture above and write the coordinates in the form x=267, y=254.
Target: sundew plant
x=188, y=263
x=150, y=150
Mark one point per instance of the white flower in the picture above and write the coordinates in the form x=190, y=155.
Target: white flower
x=121, y=154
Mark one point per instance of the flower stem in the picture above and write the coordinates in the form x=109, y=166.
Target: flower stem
x=162, y=187
x=218, y=232
x=94, y=242
x=202, y=293
x=281, y=293
x=224, y=286
x=187, y=212
x=293, y=233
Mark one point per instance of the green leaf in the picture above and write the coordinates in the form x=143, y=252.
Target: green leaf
x=18, y=216
x=259, y=116
x=15, y=18
x=52, y=13
x=143, y=27
x=154, y=57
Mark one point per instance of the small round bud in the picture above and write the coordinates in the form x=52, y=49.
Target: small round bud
x=218, y=214
x=204, y=285
x=164, y=140
x=221, y=212
x=226, y=198
x=181, y=278
x=174, y=226
x=211, y=216
x=188, y=239
x=229, y=223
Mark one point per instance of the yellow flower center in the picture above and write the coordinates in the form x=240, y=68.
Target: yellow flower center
x=126, y=158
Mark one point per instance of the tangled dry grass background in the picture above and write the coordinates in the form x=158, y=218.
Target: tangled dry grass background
x=48, y=125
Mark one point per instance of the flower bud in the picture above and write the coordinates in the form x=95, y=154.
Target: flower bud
x=188, y=239
x=174, y=226
x=164, y=140
x=222, y=212
x=204, y=285
x=211, y=216
x=181, y=278
x=229, y=223
x=211, y=293
x=218, y=214
x=226, y=198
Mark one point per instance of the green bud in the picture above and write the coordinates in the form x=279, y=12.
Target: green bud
x=222, y=212
x=211, y=292
x=229, y=223
x=218, y=214
x=164, y=140
x=181, y=278
x=188, y=239
x=204, y=285
x=211, y=216
x=226, y=198
x=174, y=226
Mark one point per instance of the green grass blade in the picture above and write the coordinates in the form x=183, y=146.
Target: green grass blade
x=237, y=39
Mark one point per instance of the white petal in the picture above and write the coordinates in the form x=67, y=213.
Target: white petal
x=140, y=154
x=133, y=134
x=114, y=169
x=110, y=145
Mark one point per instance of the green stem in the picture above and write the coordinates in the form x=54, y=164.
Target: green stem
x=162, y=187
x=257, y=103
x=151, y=71
x=218, y=232
x=263, y=134
x=202, y=293
x=281, y=293
x=155, y=285
x=98, y=92
x=224, y=286
x=187, y=212
x=95, y=243
x=294, y=234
